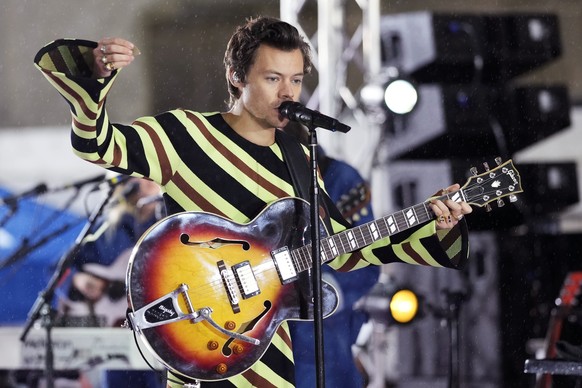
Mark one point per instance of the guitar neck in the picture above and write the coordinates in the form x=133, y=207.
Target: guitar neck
x=361, y=236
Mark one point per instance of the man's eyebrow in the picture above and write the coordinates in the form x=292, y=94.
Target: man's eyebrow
x=268, y=71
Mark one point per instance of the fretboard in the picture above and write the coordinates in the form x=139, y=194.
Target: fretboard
x=363, y=235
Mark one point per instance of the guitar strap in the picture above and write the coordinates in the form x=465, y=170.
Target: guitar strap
x=300, y=171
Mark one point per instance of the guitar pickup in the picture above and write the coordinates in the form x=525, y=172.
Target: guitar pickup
x=245, y=277
x=284, y=265
x=229, y=282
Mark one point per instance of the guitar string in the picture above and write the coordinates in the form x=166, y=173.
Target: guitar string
x=301, y=257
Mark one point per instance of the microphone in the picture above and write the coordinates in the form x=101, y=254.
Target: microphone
x=97, y=179
x=294, y=111
x=12, y=200
x=111, y=182
x=79, y=184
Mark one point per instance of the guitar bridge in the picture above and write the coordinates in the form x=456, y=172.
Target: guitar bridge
x=163, y=310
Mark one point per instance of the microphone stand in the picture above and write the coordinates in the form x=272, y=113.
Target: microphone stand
x=42, y=306
x=316, y=257
x=12, y=201
x=9, y=213
x=294, y=111
x=26, y=247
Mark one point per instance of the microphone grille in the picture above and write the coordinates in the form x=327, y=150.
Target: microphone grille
x=286, y=107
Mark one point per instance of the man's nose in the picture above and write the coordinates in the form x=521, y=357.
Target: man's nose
x=287, y=90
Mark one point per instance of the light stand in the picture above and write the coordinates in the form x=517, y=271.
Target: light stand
x=451, y=314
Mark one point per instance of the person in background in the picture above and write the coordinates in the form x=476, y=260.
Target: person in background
x=231, y=163
x=351, y=194
x=95, y=295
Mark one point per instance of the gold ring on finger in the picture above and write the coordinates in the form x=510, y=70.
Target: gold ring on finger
x=109, y=66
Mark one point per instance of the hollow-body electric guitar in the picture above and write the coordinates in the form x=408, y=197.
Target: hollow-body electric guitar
x=207, y=294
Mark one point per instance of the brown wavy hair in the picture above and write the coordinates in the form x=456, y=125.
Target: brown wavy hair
x=243, y=45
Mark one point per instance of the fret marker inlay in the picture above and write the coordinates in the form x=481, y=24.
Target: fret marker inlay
x=351, y=239
x=391, y=224
x=323, y=253
x=333, y=247
x=410, y=217
x=374, y=230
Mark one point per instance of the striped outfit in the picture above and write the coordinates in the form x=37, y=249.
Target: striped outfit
x=204, y=165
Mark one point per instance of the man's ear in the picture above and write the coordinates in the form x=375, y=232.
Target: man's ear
x=235, y=79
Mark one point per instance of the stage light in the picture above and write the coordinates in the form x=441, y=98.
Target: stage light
x=392, y=304
x=396, y=95
x=404, y=306
x=400, y=96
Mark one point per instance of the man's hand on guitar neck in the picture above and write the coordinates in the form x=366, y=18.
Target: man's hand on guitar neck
x=448, y=212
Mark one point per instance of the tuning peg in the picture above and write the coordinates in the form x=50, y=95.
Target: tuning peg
x=474, y=171
x=498, y=160
x=512, y=198
x=486, y=166
x=488, y=208
x=500, y=203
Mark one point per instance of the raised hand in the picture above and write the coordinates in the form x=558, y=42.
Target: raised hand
x=111, y=54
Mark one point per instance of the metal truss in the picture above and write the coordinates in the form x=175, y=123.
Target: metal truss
x=334, y=49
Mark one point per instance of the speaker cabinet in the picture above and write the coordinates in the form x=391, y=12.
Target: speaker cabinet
x=464, y=120
x=549, y=187
x=531, y=113
x=425, y=45
x=449, y=121
x=461, y=48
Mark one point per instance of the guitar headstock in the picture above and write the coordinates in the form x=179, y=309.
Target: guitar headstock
x=493, y=185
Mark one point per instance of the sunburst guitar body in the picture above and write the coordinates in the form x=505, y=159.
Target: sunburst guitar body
x=198, y=280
